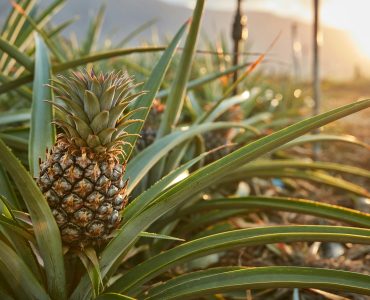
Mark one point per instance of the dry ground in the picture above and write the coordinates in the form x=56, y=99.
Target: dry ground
x=336, y=94
x=358, y=125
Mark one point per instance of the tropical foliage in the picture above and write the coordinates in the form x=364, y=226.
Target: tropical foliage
x=176, y=212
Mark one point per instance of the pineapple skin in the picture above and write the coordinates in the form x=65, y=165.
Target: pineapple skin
x=85, y=192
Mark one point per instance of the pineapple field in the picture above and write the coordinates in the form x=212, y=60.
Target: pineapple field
x=169, y=171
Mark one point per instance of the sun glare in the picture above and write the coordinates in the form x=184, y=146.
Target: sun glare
x=351, y=16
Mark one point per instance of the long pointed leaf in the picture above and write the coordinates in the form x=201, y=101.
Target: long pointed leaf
x=39, y=30
x=139, y=166
x=42, y=132
x=325, y=138
x=93, y=32
x=315, y=208
x=232, y=239
x=313, y=176
x=176, y=97
x=267, y=278
x=7, y=190
x=191, y=276
x=22, y=276
x=259, y=165
x=205, y=79
x=13, y=52
x=78, y=62
x=135, y=32
x=152, y=86
x=15, y=117
x=45, y=227
x=114, y=296
x=145, y=198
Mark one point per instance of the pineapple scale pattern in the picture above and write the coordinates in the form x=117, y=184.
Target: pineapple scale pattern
x=85, y=195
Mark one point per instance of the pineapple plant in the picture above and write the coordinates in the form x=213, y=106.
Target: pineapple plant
x=131, y=266
x=82, y=177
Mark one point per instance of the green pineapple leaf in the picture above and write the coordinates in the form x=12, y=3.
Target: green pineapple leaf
x=152, y=86
x=14, y=268
x=302, y=206
x=42, y=133
x=203, y=284
x=45, y=228
x=154, y=266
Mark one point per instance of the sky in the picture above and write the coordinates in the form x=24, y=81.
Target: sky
x=351, y=16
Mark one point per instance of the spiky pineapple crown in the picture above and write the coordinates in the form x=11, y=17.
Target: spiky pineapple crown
x=91, y=109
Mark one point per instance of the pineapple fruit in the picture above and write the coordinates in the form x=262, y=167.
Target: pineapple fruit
x=215, y=139
x=221, y=137
x=82, y=177
x=149, y=132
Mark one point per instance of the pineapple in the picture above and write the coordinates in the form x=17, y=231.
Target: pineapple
x=149, y=132
x=82, y=177
x=221, y=137
x=215, y=139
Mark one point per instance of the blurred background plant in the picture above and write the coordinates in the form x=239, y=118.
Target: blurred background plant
x=187, y=182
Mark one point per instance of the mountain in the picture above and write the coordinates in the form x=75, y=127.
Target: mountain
x=339, y=55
